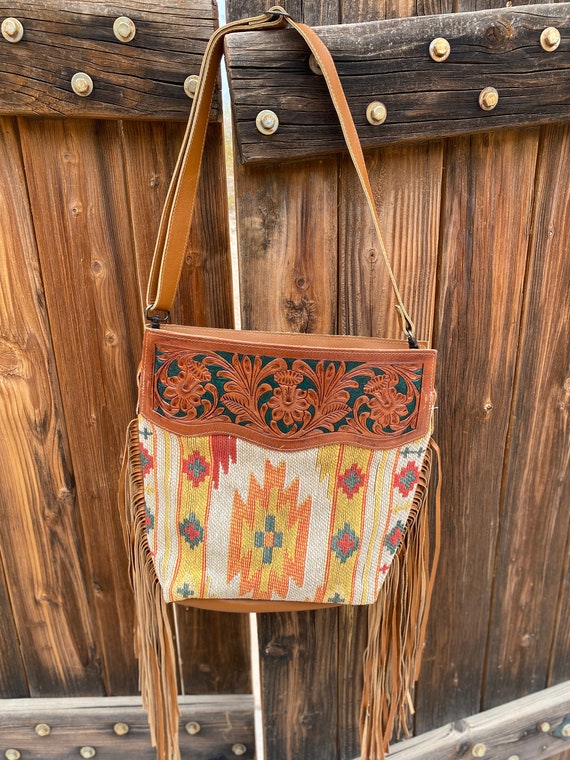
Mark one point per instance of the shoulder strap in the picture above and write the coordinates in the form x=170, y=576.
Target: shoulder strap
x=177, y=213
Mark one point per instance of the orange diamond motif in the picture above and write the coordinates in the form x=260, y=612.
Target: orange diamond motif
x=268, y=535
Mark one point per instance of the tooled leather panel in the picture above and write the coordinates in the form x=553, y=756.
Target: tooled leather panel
x=285, y=397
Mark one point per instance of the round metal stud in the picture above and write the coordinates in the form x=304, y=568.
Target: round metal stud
x=87, y=752
x=121, y=729
x=191, y=85
x=12, y=30
x=544, y=727
x=566, y=731
x=12, y=754
x=439, y=49
x=513, y=757
x=82, y=84
x=193, y=728
x=488, y=98
x=550, y=39
x=479, y=750
x=314, y=66
x=42, y=729
x=239, y=749
x=267, y=122
x=376, y=113
x=124, y=29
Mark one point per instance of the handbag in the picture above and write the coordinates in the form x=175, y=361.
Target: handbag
x=271, y=472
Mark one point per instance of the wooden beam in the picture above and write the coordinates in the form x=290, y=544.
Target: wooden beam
x=223, y=722
x=507, y=731
x=389, y=61
x=139, y=79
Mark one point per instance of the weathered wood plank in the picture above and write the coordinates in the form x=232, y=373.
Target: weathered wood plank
x=42, y=548
x=535, y=516
x=143, y=78
x=507, y=731
x=224, y=723
x=487, y=202
x=388, y=60
x=76, y=183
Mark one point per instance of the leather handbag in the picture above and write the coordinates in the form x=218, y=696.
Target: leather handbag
x=271, y=472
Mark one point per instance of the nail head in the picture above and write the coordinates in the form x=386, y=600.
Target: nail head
x=267, y=122
x=12, y=754
x=87, y=752
x=550, y=39
x=376, y=113
x=191, y=85
x=314, y=66
x=544, y=727
x=12, y=29
x=193, y=727
x=239, y=749
x=121, y=729
x=479, y=750
x=82, y=84
x=439, y=49
x=42, y=729
x=124, y=29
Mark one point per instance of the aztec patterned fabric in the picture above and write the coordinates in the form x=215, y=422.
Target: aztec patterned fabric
x=275, y=477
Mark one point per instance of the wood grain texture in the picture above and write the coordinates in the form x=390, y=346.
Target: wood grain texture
x=483, y=263
x=142, y=78
x=42, y=546
x=507, y=731
x=536, y=516
x=223, y=722
x=12, y=673
x=77, y=189
x=388, y=60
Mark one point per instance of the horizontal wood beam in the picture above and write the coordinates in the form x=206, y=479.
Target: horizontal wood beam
x=139, y=79
x=222, y=721
x=389, y=61
x=512, y=730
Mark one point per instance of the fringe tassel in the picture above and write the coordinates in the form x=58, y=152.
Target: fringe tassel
x=153, y=635
x=397, y=624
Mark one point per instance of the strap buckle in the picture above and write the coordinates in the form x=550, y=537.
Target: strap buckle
x=155, y=318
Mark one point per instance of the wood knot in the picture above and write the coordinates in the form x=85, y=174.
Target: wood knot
x=300, y=315
x=11, y=360
x=498, y=32
x=279, y=650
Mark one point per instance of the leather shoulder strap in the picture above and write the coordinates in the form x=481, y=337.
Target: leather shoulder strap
x=177, y=213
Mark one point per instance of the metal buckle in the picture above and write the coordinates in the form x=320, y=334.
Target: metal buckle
x=277, y=10
x=156, y=319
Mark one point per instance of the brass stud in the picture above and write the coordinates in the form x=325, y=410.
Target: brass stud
x=87, y=752
x=239, y=749
x=267, y=122
x=314, y=66
x=550, y=39
x=12, y=30
x=82, y=84
x=12, y=754
x=376, y=113
x=193, y=727
x=479, y=750
x=42, y=729
x=124, y=29
x=439, y=49
x=121, y=729
x=544, y=727
x=488, y=98
x=191, y=85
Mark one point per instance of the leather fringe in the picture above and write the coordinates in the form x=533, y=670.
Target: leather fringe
x=153, y=635
x=397, y=625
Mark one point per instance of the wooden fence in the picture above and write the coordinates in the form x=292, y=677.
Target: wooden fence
x=478, y=225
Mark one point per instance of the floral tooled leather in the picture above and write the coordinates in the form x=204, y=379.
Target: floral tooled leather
x=287, y=401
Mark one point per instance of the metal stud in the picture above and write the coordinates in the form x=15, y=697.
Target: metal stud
x=544, y=727
x=191, y=85
x=267, y=122
x=87, y=752
x=193, y=728
x=376, y=113
x=12, y=30
x=550, y=39
x=82, y=84
x=314, y=66
x=121, y=729
x=12, y=754
x=42, y=729
x=479, y=750
x=124, y=29
x=565, y=731
x=439, y=49
x=488, y=98
x=239, y=749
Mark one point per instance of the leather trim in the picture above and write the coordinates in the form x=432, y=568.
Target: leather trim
x=253, y=605
x=294, y=392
